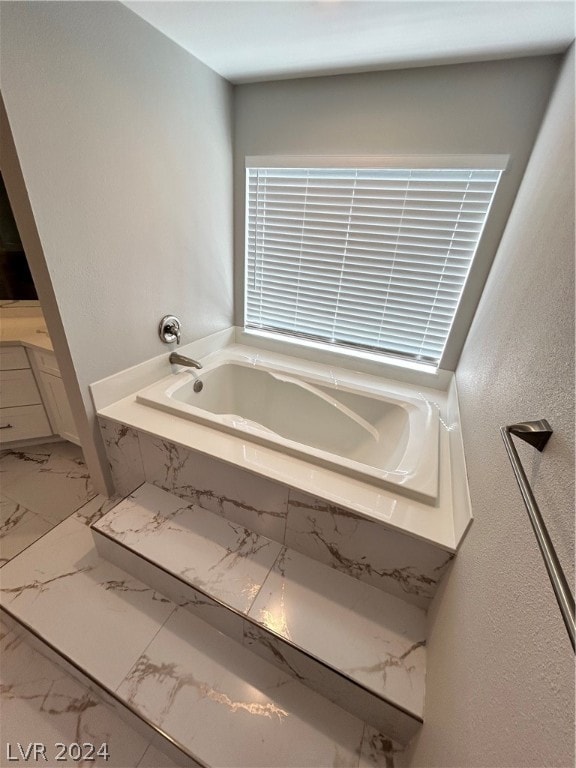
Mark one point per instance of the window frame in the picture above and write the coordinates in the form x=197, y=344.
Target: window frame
x=473, y=286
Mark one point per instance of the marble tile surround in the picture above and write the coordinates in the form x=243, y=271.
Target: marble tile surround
x=123, y=451
x=401, y=565
x=254, y=502
x=396, y=563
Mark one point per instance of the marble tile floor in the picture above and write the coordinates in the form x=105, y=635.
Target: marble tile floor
x=43, y=704
x=40, y=702
x=40, y=486
x=228, y=706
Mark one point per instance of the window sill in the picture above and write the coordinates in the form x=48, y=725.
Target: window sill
x=412, y=372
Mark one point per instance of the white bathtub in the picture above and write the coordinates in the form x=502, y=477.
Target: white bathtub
x=349, y=422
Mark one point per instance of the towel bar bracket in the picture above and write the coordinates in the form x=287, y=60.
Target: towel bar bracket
x=537, y=433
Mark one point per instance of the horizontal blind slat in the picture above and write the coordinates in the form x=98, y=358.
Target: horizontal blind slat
x=367, y=221
x=409, y=307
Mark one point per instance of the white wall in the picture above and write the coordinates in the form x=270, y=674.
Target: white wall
x=124, y=140
x=492, y=107
x=500, y=685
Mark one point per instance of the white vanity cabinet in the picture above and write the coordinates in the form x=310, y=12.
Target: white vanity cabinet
x=22, y=413
x=53, y=394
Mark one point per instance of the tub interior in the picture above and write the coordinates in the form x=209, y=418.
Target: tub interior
x=344, y=421
x=289, y=410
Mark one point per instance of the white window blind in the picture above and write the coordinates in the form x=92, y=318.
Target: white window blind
x=370, y=258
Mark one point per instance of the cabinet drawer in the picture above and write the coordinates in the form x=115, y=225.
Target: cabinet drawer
x=18, y=388
x=12, y=358
x=23, y=423
x=46, y=362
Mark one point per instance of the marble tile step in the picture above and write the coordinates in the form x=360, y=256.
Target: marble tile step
x=356, y=645
x=42, y=700
x=208, y=696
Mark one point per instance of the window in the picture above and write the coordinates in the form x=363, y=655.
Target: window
x=370, y=258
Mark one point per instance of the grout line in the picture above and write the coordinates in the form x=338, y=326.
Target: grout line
x=6, y=496
x=11, y=559
x=143, y=755
x=83, y=504
x=264, y=580
x=35, y=514
x=289, y=490
x=143, y=651
x=137, y=433
x=15, y=501
x=43, y=535
x=117, y=498
x=362, y=743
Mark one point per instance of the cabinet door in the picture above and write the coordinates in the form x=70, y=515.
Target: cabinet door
x=59, y=409
x=46, y=362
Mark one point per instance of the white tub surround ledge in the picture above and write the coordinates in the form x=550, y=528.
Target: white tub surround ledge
x=134, y=432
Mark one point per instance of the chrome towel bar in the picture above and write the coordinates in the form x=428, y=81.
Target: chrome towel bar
x=537, y=433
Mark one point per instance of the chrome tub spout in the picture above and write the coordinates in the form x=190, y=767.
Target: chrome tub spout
x=177, y=359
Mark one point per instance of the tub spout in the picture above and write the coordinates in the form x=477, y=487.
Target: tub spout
x=177, y=359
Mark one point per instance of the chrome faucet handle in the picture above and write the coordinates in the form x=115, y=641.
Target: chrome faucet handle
x=169, y=329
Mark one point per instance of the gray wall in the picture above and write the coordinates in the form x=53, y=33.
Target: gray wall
x=500, y=684
x=494, y=108
x=124, y=140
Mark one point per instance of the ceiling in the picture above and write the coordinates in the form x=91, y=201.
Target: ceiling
x=254, y=40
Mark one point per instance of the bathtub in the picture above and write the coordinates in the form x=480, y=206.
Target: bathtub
x=352, y=423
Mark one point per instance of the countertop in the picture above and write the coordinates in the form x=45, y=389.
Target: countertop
x=22, y=324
